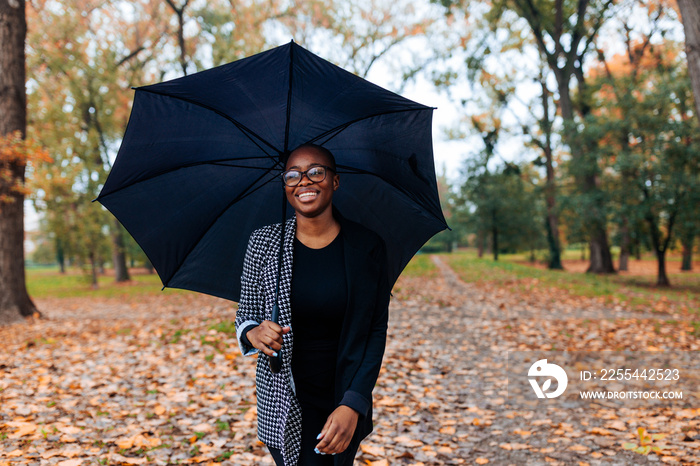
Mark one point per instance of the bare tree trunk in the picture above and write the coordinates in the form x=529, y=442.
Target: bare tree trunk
x=660, y=245
x=624, y=246
x=494, y=236
x=14, y=300
x=601, y=260
x=94, y=284
x=690, y=13
x=481, y=241
x=550, y=188
x=60, y=256
x=661, y=277
x=687, y=252
x=180, y=12
x=121, y=272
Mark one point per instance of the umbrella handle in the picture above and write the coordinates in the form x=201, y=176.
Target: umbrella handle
x=276, y=361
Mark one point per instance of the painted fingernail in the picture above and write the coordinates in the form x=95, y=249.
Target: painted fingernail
x=318, y=452
x=319, y=436
x=274, y=355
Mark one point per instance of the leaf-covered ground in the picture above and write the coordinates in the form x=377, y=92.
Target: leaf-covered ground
x=160, y=380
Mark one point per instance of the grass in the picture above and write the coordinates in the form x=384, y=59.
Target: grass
x=420, y=266
x=48, y=282
x=634, y=290
x=573, y=252
x=638, y=291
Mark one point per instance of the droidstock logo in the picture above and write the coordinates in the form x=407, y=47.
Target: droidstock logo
x=543, y=369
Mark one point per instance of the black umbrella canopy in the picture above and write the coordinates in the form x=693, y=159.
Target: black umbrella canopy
x=198, y=168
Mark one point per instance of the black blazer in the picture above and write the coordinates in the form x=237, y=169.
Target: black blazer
x=362, y=340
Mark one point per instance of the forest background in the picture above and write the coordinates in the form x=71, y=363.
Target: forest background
x=574, y=145
x=578, y=115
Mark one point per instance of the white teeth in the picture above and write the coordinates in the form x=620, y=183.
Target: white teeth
x=307, y=194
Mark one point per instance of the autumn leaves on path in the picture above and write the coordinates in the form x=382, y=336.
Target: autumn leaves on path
x=446, y=370
x=160, y=380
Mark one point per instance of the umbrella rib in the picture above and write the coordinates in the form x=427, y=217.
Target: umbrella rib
x=339, y=129
x=189, y=165
x=407, y=193
x=250, y=134
x=289, y=100
x=245, y=193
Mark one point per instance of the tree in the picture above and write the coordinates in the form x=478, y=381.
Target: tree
x=85, y=56
x=564, y=32
x=646, y=127
x=502, y=206
x=689, y=228
x=545, y=143
x=453, y=210
x=83, y=59
x=14, y=299
x=504, y=210
x=690, y=14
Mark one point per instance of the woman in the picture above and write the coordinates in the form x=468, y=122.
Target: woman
x=334, y=299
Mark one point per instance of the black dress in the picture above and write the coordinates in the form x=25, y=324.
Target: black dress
x=318, y=303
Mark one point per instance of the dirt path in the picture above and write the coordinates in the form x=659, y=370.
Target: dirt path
x=448, y=352
x=161, y=381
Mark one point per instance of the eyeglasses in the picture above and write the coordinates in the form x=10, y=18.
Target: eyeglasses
x=315, y=174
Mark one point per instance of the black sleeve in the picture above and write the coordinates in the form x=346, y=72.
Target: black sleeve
x=244, y=334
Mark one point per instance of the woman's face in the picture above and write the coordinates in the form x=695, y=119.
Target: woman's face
x=308, y=198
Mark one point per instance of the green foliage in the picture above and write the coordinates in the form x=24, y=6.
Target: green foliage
x=648, y=142
x=645, y=443
x=227, y=326
x=222, y=425
x=503, y=208
x=452, y=209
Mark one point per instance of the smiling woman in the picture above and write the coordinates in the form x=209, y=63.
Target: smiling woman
x=321, y=403
x=309, y=190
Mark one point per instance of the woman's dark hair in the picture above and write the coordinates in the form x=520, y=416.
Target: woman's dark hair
x=327, y=153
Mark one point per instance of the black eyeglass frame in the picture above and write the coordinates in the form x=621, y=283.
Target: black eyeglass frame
x=304, y=173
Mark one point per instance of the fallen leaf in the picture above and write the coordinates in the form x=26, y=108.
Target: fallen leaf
x=599, y=431
x=50, y=453
x=617, y=425
x=378, y=463
x=407, y=441
x=24, y=428
x=578, y=448
x=76, y=462
x=119, y=459
x=372, y=450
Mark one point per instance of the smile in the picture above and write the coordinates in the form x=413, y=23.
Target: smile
x=307, y=195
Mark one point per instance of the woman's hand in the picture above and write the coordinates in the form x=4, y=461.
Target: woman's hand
x=338, y=431
x=267, y=337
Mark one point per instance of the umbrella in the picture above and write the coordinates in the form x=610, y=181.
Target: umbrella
x=198, y=167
